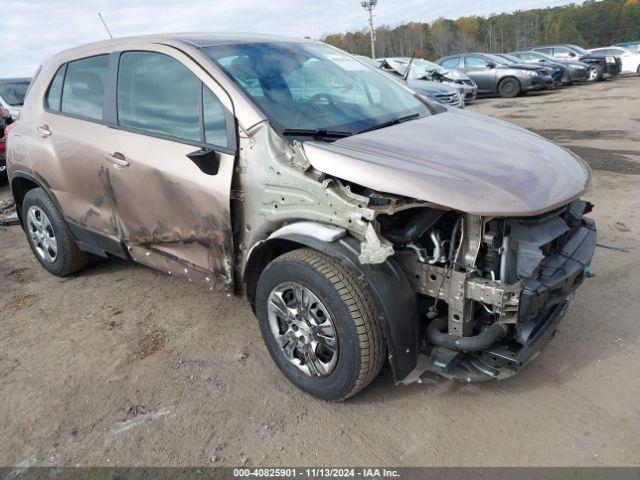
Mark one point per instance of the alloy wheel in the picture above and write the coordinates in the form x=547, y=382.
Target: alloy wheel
x=42, y=234
x=303, y=329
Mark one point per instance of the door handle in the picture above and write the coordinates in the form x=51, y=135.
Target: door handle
x=44, y=131
x=118, y=159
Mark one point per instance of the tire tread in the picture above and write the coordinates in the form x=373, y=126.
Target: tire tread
x=360, y=305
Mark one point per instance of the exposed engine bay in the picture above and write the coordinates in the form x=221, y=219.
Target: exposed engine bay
x=489, y=287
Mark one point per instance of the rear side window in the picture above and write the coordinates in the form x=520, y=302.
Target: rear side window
x=83, y=90
x=54, y=94
x=158, y=94
x=451, y=63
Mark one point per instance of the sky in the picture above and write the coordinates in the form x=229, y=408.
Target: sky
x=32, y=30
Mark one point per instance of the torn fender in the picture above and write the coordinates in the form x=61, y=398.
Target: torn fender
x=390, y=289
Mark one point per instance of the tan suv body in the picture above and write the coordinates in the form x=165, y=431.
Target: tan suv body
x=363, y=222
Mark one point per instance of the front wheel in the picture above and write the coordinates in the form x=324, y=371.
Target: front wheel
x=509, y=88
x=319, y=324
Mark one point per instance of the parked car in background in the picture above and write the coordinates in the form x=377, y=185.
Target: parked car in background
x=5, y=120
x=557, y=72
x=443, y=93
x=495, y=75
x=633, y=46
x=605, y=66
x=630, y=59
x=12, y=92
x=424, y=70
x=364, y=224
x=577, y=71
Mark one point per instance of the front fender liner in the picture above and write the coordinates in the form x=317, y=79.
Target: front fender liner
x=394, y=299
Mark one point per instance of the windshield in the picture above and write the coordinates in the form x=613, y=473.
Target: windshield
x=14, y=92
x=580, y=50
x=314, y=87
x=545, y=56
x=510, y=58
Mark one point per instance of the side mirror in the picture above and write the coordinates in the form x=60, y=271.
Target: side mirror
x=541, y=60
x=206, y=160
x=491, y=65
x=571, y=54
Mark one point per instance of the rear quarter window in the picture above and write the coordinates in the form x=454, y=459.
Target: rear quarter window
x=54, y=93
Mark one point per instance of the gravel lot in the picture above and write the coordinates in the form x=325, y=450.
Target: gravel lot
x=123, y=365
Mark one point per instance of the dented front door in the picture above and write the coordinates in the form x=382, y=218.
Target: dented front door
x=171, y=166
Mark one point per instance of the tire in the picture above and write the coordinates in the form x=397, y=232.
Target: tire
x=509, y=88
x=42, y=223
x=357, y=332
x=638, y=70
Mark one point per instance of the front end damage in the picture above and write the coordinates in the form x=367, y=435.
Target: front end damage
x=465, y=296
x=493, y=290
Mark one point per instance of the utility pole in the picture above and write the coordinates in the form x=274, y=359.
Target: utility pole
x=369, y=5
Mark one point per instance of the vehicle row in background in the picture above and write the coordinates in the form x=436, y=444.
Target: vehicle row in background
x=630, y=58
x=603, y=66
x=453, y=89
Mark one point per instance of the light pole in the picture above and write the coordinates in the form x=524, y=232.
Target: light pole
x=369, y=5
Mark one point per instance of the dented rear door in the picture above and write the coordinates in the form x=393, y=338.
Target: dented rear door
x=171, y=165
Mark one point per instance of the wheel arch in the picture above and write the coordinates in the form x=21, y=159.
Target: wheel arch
x=508, y=77
x=22, y=182
x=396, y=305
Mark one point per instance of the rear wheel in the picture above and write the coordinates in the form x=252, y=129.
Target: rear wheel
x=509, y=88
x=49, y=237
x=319, y=324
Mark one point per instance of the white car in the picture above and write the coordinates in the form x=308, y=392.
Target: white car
x=630, y=58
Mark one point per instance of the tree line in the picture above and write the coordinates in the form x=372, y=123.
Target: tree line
x=590, y=24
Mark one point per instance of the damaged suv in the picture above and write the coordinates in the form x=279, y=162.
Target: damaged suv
x=359, y=223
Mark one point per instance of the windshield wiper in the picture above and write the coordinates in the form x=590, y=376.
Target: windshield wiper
x=395, y=121
x=319, y=133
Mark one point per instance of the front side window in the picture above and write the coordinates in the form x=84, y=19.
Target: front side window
x=214, y=119
x=475, y=62
x=158, y=94
x=314, y=87
x=84, y=87
x=54, y=94
x=561, y=52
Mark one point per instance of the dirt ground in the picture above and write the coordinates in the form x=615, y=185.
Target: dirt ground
x=123, y=365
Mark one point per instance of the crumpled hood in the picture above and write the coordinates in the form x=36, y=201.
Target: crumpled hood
x=460, y=160
x=522, y=66
x=428, y=87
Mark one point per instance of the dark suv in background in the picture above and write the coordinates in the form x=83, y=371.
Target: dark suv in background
x=605, y=66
